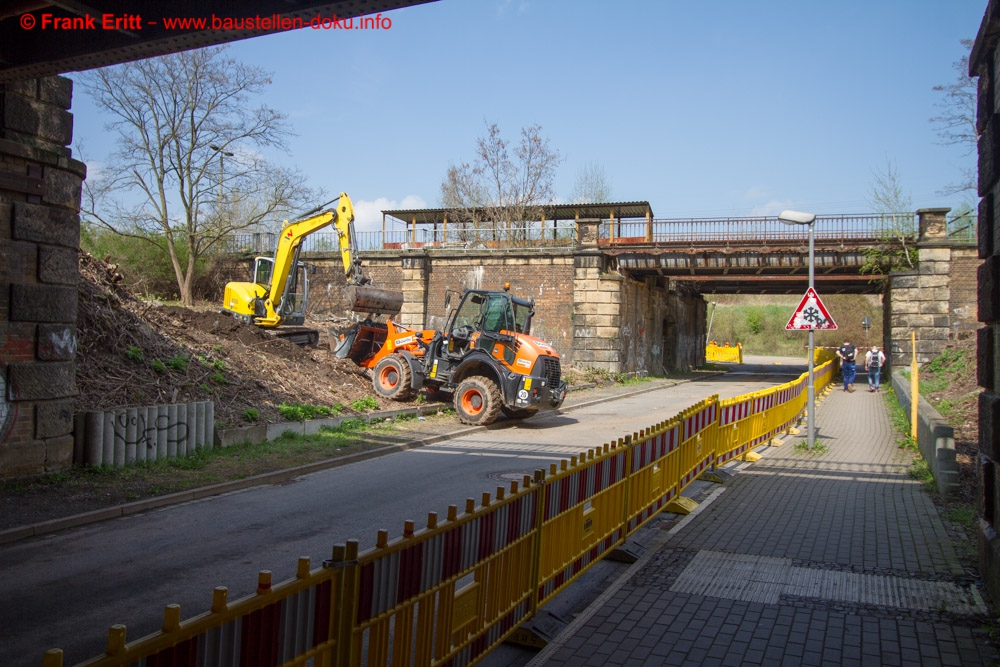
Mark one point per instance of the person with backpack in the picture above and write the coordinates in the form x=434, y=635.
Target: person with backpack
x=847, y=352
x=874, y=361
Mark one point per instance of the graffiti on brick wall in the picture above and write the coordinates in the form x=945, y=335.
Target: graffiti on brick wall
x=146, y=432
x=8, y=409
x=64, y=343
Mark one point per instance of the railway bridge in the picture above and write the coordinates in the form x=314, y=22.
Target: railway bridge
x=620, y=290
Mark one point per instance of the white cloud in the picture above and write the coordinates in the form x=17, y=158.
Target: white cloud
x=773, y=207
x=757, y=192
x=368, y=214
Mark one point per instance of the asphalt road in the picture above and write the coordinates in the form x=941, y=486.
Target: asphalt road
x=66, y=589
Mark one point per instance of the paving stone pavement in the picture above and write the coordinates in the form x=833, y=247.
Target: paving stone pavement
x=833, y=556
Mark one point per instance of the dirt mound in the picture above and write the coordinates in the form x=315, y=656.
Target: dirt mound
x=134, y=353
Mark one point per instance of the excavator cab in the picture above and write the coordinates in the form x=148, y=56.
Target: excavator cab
x=292, y=307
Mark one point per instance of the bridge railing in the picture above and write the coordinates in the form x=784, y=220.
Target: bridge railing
x=755, y=229
x=623, y=232
x=393, y=240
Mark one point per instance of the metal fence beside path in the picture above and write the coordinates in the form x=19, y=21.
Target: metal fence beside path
x=451, y=591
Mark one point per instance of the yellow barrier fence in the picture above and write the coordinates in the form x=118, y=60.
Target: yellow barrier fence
x=724, y=353
x=450, y=592
x=582, y=515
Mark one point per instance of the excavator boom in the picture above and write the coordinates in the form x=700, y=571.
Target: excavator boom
x=278, y=295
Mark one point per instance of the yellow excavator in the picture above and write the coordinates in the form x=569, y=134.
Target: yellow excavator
x=279, y=294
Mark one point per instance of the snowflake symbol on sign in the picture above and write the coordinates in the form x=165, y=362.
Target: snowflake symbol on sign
x=812, y=314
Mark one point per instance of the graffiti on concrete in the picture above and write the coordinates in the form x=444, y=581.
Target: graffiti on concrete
x=146, y=433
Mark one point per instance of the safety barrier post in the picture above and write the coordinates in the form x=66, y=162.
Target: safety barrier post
x=345, y=603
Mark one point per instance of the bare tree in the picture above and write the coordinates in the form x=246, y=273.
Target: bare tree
x=186, y=171
x=592, y=185
x=504, y=186
x=956, y=123
x=887, y=197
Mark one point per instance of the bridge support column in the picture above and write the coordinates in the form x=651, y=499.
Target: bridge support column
x=934, y=300
x=982, y=63
x=40, y=189
x=414, y=286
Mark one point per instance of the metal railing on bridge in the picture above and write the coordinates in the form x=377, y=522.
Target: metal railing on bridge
x=450, y=592
x=762, y=229
x=395, y=240
x=621, y=232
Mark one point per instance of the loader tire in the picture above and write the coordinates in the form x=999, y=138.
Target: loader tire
x=477, y=401
x=392, y=378
x=519, y=413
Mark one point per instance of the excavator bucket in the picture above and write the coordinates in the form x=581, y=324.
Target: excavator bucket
x=359, y=343
x=374, y=300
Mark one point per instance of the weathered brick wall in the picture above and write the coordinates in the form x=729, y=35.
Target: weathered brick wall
x=548, y=279
x=964, y=269
x=39, y=241
x=985, y=63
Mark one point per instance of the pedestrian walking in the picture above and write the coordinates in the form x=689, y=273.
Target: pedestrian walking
x=874, y=361
x=847, y=352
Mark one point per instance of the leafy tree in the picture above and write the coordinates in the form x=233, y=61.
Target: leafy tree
x=592, y=185
x=186, y=171
x=505, y=185
x=887, y=197
x=956, y=122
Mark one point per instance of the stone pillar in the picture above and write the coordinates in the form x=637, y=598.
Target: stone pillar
x=597, y=318
x=983, y=63
x=414, y=286
x=40, y=188
x=921, y=298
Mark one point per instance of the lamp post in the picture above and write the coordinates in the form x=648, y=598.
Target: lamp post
x=222, y=156
x=800, y=218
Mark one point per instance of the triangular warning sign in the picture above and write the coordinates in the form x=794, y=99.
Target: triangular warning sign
x=811, y=314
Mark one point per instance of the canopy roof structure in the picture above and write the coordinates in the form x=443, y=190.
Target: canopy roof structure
x=554, y=212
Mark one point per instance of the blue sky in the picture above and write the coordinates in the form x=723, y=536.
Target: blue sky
x=701, y=108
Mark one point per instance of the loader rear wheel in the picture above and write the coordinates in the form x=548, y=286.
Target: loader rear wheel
x=392, y=378
x=477, y=401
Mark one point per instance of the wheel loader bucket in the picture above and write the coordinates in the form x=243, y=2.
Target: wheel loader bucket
x=363, y=299
x=359, y=343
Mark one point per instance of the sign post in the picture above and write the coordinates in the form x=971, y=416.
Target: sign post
x=810, y=315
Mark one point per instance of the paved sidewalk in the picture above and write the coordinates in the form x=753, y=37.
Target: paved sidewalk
x=832, y=559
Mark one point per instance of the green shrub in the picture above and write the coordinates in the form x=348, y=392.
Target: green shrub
x=179, y=363
x=301, y=412
x=158, y=366
x=365, y=404
x=251, y=414
x=134, y=353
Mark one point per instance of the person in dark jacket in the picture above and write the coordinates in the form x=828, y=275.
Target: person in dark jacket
x=847, y=352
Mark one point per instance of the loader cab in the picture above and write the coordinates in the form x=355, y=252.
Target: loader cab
x=493, y=312
x=292, y=307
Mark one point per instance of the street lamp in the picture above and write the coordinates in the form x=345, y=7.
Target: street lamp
x=222, y=156
x=800, y=218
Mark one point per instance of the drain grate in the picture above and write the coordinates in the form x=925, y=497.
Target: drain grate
x=765, y=579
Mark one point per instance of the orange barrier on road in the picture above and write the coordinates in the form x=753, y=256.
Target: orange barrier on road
x=449, y=593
